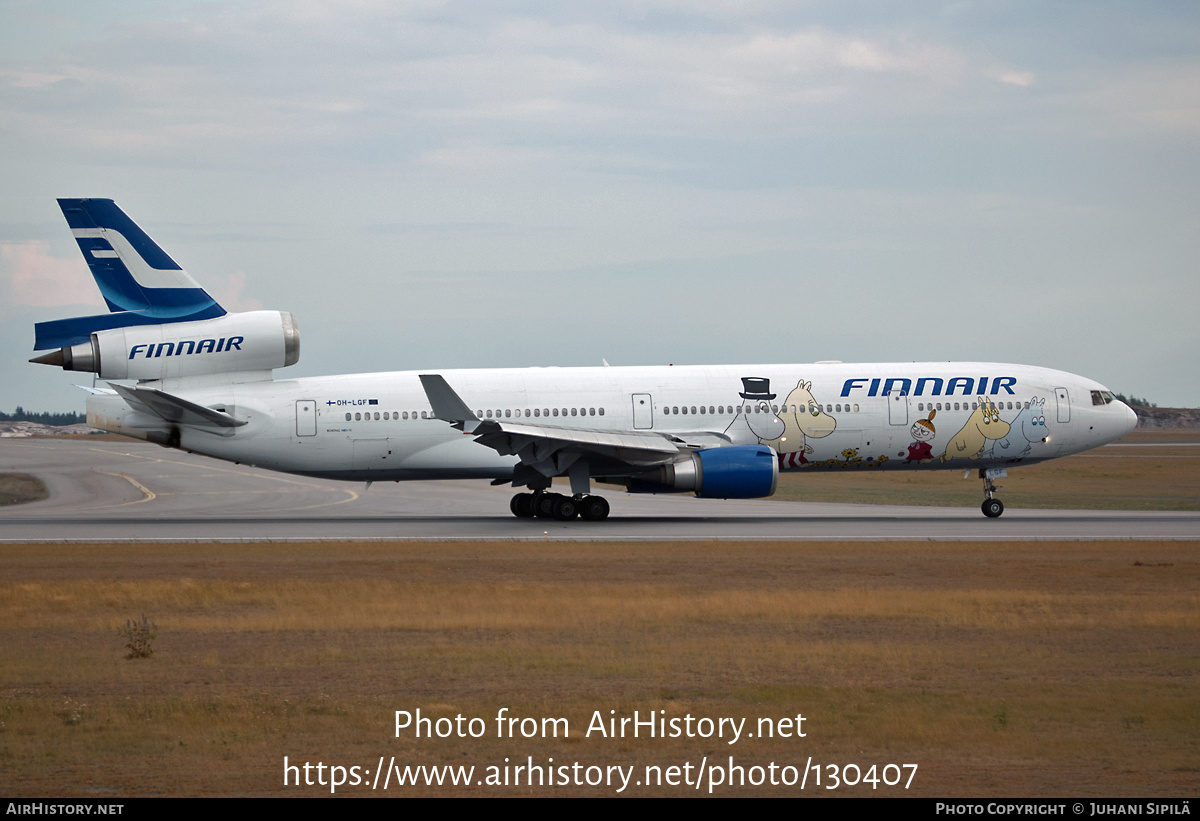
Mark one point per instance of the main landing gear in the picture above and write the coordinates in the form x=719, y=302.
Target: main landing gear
x=991, y=507
x=557, y=506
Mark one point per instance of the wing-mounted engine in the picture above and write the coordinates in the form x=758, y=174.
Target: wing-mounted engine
x=251, y=342
x=735, y=472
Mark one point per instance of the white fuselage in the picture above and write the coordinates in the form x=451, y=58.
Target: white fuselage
x=378, y=427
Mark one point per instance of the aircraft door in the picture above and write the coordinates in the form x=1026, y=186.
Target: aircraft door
x=306, y=417
x=897, y=408
x=1064, y=404
x=643, y=411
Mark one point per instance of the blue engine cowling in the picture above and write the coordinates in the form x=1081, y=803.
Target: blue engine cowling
x=735, y=472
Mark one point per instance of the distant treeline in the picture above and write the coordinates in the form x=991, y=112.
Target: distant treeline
x=1133, y=400
x=44, y=418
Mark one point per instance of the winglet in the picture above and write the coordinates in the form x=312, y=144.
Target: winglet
x=446, y=404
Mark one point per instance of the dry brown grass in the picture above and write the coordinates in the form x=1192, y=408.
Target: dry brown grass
x=1042, y=668
x=19, y=488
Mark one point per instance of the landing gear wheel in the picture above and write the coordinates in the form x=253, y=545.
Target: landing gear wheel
x=522, y=505
x=564, y=508
x=593, y=508
x=992, y=508
x=543, y=505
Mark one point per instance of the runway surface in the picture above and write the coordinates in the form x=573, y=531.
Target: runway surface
x=116, y=491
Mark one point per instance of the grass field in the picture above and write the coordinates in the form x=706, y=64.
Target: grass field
x=18, y=488
x=999, y=669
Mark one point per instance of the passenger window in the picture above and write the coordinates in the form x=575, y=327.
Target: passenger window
x=537, y=412
x=602, y=411
x=347, y=416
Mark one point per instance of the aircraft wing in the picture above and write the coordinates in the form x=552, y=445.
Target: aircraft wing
x=551, y=450
x=174, y=409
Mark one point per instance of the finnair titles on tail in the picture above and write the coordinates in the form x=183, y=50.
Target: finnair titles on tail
x=187, y=374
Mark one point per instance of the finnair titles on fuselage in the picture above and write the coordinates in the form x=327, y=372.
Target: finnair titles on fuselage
x=187, y=374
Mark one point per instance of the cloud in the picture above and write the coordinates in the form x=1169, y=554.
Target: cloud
x=31, y=278
x=255, y=79
x=1165, y=100
x=231, y=294
x=1017, y=78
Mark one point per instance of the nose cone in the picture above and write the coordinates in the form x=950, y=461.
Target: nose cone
x=1130, y=419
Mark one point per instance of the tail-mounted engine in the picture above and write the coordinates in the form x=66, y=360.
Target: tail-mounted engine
x=252, y=341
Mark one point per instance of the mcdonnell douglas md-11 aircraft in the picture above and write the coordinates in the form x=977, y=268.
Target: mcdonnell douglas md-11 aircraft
x=187, y=374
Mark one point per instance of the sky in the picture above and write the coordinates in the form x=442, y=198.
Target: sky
x=497, y=184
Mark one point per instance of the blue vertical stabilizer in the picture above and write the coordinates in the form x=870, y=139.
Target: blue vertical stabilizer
x=140, y=282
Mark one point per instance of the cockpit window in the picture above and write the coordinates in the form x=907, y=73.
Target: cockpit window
x=1101, y=397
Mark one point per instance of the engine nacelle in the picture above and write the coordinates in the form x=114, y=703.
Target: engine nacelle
x=252, y=341
x=735, y=472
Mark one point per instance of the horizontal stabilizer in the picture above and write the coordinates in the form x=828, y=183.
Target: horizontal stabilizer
x=176, y=410
x=63, y=333
x=97, y=391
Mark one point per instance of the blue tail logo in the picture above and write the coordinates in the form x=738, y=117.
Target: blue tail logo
x=140, y=282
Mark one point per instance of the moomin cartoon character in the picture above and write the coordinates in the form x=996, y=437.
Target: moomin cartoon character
x=755, y=423
x=1029, y=427
x=922, y=431
x=983, y=425
x=802, y=417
